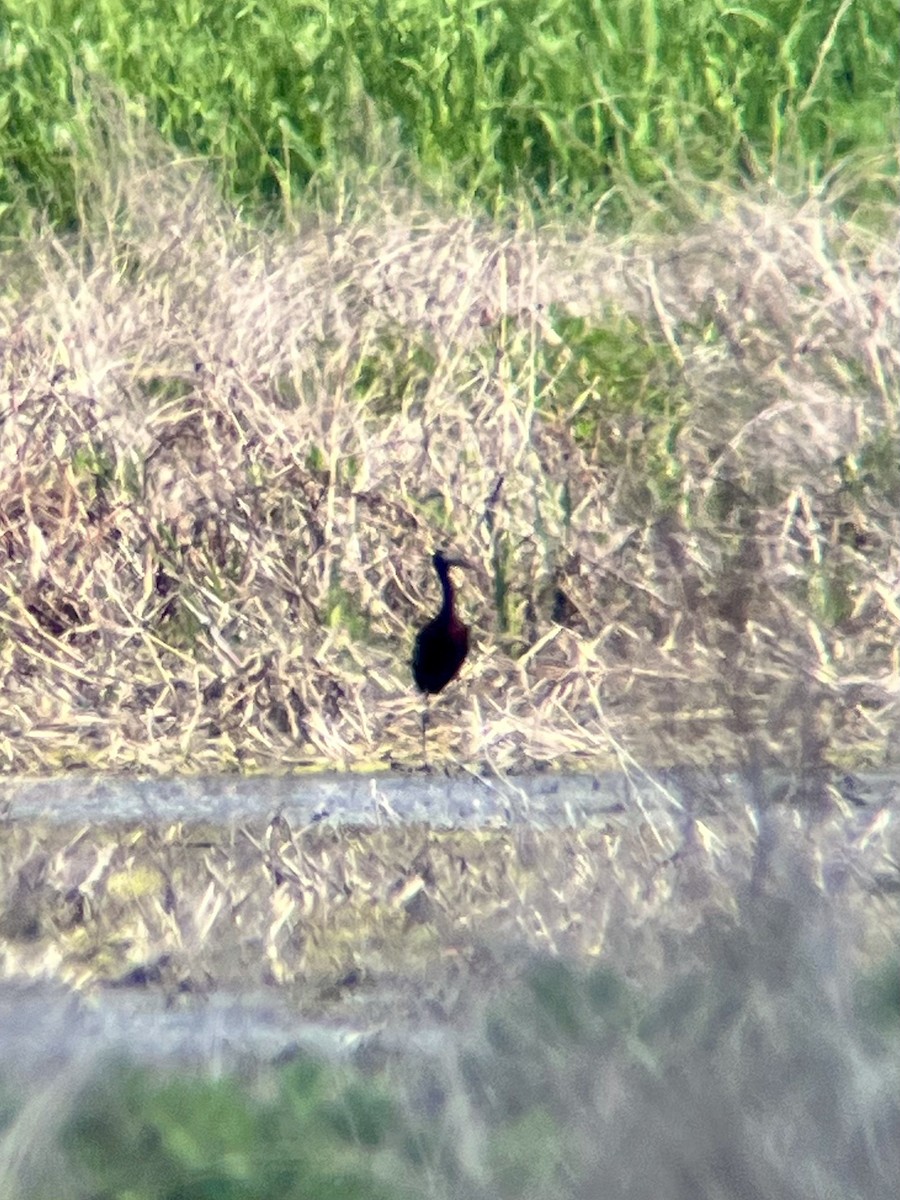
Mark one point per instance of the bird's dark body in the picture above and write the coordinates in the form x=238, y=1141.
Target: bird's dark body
x=441, y=645
x=439, y=652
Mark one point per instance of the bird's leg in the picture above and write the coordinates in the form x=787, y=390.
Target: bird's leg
x=425, y=716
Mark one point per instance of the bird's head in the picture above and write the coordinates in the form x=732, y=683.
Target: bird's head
x=443, y=559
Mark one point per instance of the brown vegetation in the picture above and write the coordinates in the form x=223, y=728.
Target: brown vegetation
x=226, y=457
x=406, y=921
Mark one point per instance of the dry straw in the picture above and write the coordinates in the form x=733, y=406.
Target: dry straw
x=226, y=456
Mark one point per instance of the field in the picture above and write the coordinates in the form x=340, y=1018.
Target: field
x=661, y=424
x=603, y=296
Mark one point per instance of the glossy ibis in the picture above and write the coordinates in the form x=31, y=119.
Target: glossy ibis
x=441, y=645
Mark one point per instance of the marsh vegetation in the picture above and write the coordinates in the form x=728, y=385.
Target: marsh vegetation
x=604, y=296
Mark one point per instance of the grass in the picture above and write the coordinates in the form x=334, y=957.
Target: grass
x=590, y=107
x=297, y=294
x=755, y=1055
x=151, y=1134
x=606, y=296
x=229, y=454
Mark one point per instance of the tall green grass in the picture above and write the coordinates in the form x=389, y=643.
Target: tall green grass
x=585, y=104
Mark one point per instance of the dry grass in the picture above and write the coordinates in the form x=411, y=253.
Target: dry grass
x=226, y=457
x=409, y=922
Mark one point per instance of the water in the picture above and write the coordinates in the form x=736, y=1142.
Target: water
x=443, y=801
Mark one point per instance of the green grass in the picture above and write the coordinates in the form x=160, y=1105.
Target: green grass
x=601, y=380
x=152, y=1135
x=592, y=106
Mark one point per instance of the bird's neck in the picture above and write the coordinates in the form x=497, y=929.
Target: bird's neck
x=447, y=589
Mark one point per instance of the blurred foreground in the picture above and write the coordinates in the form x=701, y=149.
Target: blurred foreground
x=694, y=1001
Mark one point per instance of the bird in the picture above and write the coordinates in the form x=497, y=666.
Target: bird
x=441, y=646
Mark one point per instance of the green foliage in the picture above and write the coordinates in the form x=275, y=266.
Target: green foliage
x=526, y=1155
x=830, y=593
x=622, y=395
x=584, y=104
x=92, y=462
x=103, y=474
x=362, y=1115
x=152, y=1136
x=344, y=610
x=316, y=461
x=393, y=373
x=503, y=597
x=873, y=473
x=869, y=483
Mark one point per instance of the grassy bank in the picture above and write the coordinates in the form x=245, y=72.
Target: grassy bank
x=604, y=296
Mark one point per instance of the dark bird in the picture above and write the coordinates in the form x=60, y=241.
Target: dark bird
x=441, y=645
